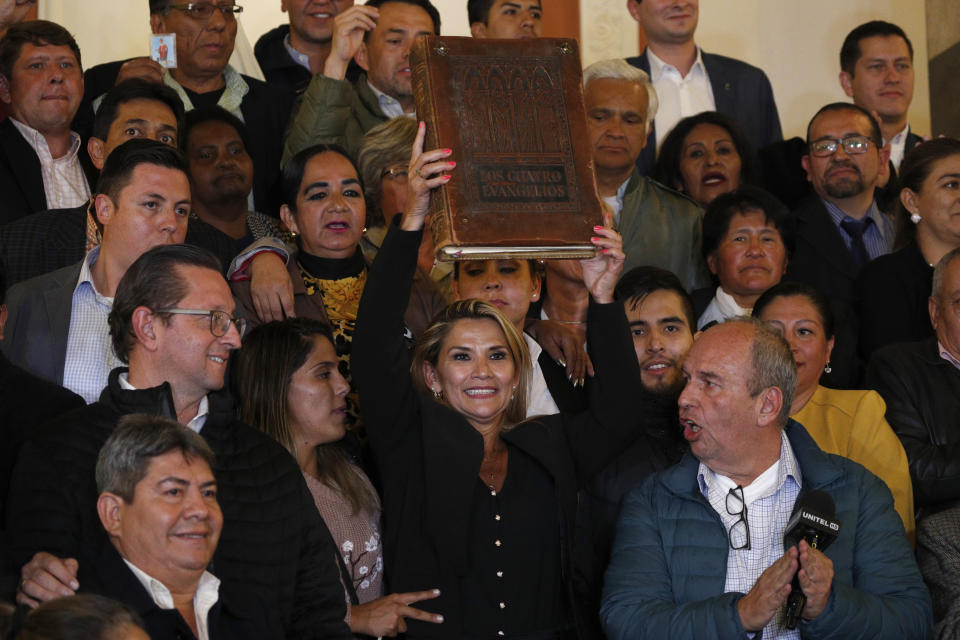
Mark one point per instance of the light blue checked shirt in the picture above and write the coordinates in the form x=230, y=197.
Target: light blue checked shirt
x=90, y=356
x=770, y=499
x=878, y=238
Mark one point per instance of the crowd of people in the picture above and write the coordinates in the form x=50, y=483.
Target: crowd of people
x=240, y=397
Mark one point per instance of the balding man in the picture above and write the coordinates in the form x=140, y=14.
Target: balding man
x=707, y=536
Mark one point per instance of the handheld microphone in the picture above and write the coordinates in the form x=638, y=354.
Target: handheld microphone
x=813, y=520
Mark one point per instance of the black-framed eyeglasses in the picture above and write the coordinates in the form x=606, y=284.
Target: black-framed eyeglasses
x=739, y=533
x=219, y=320
x=853, y=145
x=204, y=10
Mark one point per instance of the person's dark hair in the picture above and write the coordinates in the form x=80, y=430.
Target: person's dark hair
x=212, y=113
x=719, y=213
x=139, y=438
x=875, y=135
x=160, y=6
x=914, y=170
x=120, y=164
x=291, y=178
x=635, y=285
x=38, y=33
x=80, y=617
x=263, y=369
x=153, y=281
x=790, y=289
x=667, y=168
x=479, y=10
x=850, y=50
x=426, y=5
x=134, y=89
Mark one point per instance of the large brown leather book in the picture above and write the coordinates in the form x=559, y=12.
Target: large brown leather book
x=512, y=111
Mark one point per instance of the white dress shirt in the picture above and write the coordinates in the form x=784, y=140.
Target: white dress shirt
x=388, y=104
x=539, y=400
x=680, y=96
x=207, y=594
x=64, y=183
x=898, y=146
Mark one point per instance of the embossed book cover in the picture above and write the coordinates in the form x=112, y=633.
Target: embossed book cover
x=512, y=111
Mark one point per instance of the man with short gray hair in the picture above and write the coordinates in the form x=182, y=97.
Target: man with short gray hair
x=660, y=227
x=920, y=382
x=158, y=504
x=708, y=535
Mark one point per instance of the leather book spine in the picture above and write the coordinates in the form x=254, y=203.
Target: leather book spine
x=424, y=93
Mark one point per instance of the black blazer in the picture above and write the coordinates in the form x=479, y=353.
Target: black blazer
x=265, y=110
x=429, y=455
x=740, y=91
x=237, y=615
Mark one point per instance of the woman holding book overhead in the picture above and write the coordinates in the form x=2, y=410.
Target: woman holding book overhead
x=478, y=501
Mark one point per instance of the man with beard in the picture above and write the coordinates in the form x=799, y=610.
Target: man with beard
x=841, y=229
x=661, y=318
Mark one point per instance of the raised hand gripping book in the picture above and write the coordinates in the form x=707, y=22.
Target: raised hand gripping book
x=512, y=111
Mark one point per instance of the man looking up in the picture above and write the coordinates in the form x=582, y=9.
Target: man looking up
x=505, y=18
x=378, y=35
x=58, y=321
x=659, y=226
x=876, y=62
x=292, y=54
x=173, y=321
x=158, y=505
x=689, y=81
x=840, y=229
x=707, y=535
x=41, y=82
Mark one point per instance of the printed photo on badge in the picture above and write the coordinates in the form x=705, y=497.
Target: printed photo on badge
x=163, y=49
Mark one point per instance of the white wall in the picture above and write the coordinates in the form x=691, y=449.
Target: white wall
x=796, y=43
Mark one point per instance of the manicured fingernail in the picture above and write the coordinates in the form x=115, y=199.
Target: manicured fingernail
x=562, y=362
x=606, y=250
x=448, y=151
x=452, y=163
x=438, y=618
x=594, y=239
x=582, y=382
x=597, y=228
x=74, y=585
x=447, y=177
x=436, y=592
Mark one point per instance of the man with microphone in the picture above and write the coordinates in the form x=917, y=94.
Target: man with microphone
x=757, y=515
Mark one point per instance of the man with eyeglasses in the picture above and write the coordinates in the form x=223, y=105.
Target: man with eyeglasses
x=840, y=228
x=206, y=32
x=174, y=325
x=699, y=551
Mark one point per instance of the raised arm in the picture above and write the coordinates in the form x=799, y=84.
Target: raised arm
x=380, y=359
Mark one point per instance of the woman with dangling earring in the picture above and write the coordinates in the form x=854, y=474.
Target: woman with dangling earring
x=846, y=422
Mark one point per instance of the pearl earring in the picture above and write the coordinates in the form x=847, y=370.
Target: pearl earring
x=915, y=218
x=438, y=394
x=828, y=368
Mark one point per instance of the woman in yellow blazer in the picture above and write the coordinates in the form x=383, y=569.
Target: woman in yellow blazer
x=849, y=423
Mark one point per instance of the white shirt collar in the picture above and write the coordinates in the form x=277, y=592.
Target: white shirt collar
x=898, y=146
x=206, y=595
x=39, y=143
x=767, y=483
x=86, y=276
x=658, y=67
x=203, y=409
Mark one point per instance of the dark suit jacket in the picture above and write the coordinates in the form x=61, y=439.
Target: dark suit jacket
x=237, y=615
x=21, y=180
x=822, y=260
x=53, y=239
x=39, y=322
x=740, y=91
x=265, y=110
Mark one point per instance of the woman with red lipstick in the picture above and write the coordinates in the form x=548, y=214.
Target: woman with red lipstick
x=289, y=386
x=747, y=238
x=848, y=423
x=478, y=501
x=326, y=210
x=704, y=156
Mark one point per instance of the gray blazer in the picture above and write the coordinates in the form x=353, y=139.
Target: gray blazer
x=39, y=323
